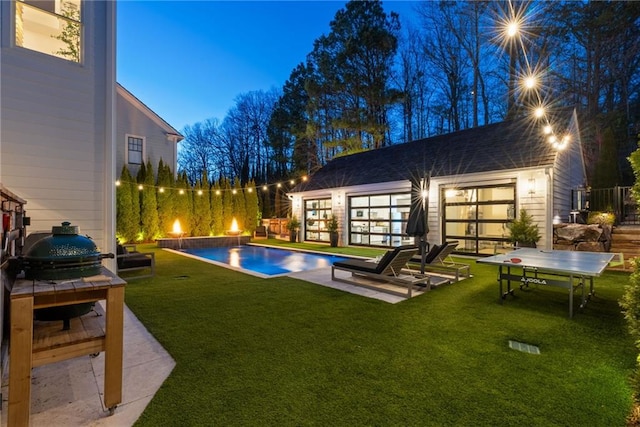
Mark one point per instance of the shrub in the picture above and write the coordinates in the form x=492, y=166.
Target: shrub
x=601, y=218
x=630, y=303
x=523, y=230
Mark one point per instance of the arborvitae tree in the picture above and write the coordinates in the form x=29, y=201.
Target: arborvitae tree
x=217, y=217
x=227, y=205
x=127, y=217
x=239, y=208
x=166, y=198
x=201, y=208
x=184, y=204
x=148, y=205
x=251, y=204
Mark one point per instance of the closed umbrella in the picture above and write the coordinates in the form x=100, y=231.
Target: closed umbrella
x=417, y=223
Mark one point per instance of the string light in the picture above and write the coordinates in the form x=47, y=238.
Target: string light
x=217, y=192
x=513, y=32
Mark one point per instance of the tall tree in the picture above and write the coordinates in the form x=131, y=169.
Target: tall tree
x=202, y=207
x=148, y=203
x=198, y=151
x=251, y=205
x=165, y=197
x=217, y=220
x=127, y=208
x=184, y=204
x=351, y=71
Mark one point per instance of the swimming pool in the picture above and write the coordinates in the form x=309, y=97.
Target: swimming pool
x=263, y=261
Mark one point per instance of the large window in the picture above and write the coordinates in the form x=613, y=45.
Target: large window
x=477, y=217
x=53, y=27
x=379, y=220
x=316, y=214
x=135, y=150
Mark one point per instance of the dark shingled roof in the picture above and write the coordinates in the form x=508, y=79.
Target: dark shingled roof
x=495, y=147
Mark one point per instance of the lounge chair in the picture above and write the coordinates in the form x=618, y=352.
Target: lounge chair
x=129, y=259
x=260, y=232
x=391, y=269
x=438, y=260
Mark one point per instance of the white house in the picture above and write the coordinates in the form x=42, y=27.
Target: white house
x=67, y=127
x=480, y=178
x=142, y=135
x=58, y=121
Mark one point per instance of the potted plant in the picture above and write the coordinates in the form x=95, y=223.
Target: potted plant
x=293, y=225
x=332, y=226
x=524, y=232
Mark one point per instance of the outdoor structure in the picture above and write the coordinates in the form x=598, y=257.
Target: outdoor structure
x=479, y=179
x=142, y=135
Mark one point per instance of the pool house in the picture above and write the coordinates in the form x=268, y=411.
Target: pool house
x=478, y=181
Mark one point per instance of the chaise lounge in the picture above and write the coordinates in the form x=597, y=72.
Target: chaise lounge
x=391, y=269
x=437, y=261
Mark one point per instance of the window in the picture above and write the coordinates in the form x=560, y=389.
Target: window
x=316, y=214
x=135, y=150
x=477, y=217
x=53, y=27
x=379, y=220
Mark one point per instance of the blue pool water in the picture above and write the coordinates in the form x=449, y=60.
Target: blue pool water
x=263, y=260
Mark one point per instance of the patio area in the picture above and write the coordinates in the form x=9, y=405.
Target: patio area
x=69, y=393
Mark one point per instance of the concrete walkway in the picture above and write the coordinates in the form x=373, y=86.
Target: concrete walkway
x=69, y=393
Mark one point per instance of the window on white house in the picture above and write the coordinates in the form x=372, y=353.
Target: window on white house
x=53, y=27
x=135, y=148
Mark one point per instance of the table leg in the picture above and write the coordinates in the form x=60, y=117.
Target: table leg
x=21, y=344
x=570, y=296
x=113, y=348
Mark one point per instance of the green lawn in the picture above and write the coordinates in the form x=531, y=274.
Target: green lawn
x=280, y=351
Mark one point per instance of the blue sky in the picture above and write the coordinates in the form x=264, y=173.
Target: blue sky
x=189, y=60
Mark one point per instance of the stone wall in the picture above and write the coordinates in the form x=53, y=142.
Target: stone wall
x=582, y=237
x=202, y=242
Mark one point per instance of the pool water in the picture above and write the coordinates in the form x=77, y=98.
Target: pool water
x=263, y=260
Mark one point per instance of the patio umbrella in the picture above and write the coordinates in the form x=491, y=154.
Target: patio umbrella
x=417, y=223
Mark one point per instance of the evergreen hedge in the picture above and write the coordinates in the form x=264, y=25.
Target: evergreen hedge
x=146, y=207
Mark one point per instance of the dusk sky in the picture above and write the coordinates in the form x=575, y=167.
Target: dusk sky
x=189, y=60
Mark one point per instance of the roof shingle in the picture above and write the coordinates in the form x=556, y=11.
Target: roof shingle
x=495, y=147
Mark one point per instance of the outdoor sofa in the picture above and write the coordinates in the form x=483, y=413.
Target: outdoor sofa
x=129, y=259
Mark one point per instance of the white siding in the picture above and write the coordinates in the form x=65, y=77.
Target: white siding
x=137, y=120
x=57, y=148
x=568, y=173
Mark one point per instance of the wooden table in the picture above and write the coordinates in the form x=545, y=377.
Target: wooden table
x=31, y=347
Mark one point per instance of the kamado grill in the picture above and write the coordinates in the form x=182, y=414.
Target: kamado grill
x=63, y=255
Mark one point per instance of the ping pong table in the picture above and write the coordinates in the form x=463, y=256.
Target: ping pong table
x=564, y=269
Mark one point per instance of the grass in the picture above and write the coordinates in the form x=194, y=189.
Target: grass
x=281, y=351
